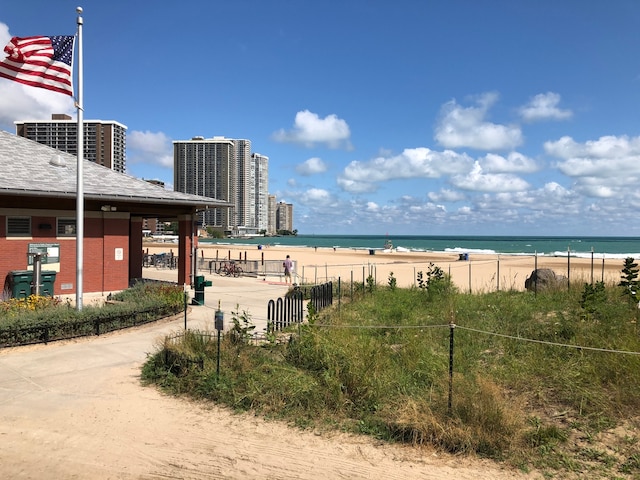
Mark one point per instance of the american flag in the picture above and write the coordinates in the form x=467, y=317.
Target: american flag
x=44, y=62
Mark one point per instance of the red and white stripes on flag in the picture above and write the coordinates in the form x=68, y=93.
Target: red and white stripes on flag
x=44, y=62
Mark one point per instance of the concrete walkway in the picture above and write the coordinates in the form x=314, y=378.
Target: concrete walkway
x=62, y=403
x=241, y=294
x=28, y=372
x=75, y=409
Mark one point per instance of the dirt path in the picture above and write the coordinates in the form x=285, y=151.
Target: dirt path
x=77, y=410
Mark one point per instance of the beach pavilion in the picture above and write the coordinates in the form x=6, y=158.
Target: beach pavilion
x=38, y=189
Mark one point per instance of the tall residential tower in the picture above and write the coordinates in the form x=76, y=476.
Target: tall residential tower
x=225, y=169
x=207, y=167
x=104, y=141
x=260, y=179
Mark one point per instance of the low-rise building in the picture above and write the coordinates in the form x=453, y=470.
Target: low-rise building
x=38, y=214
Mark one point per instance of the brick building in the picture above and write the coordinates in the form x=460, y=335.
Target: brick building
x=38, y=214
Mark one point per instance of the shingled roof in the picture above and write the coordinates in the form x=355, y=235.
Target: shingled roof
x=32, y=169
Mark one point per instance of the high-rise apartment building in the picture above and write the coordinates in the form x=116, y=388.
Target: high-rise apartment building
x=284, y=216
x=206, y=167
x=272, y=207
x=245, y=194
x=105, y=142
x=225, y=169
x=260, y=179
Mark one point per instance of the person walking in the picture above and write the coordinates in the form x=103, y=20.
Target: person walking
x=288, y=267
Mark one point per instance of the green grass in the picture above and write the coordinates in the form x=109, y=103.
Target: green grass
x=380, y=366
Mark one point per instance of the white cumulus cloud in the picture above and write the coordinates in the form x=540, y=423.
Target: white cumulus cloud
x=311, y=130
x=353, y=186
x=311, y=166
x=153, y=148
x=460, y=127
x=478, y=180
x=544, y=106
x=411, y=163
x=446, y=195
x=316, y=197
x=606, y=168
x=513, y=163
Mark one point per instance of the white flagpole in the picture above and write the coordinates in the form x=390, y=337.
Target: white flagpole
x=79, y=181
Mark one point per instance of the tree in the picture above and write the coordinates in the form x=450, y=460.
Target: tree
x=215, y=232
x=287, y=233
x=629, y=280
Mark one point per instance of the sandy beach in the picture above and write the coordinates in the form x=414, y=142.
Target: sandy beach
x=77, y=409
x=480, y=273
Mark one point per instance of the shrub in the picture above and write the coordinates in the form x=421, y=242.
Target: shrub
x=436, y=282
x=15, y=306
x=44, y=319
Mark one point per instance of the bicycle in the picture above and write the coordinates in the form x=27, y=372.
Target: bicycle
x=230, y=269
x=161, y=260
x=220, y=268
x=233, y=269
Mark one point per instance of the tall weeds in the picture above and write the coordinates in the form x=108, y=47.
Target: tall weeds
x=529, y=373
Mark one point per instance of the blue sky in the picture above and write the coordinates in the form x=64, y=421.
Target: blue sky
x=402, y=117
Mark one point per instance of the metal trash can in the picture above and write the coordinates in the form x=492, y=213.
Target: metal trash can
x=198, y=286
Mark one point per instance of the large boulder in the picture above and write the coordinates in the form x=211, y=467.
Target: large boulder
x=545, y=279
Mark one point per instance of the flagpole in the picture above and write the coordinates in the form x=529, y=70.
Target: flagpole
x=79, y=180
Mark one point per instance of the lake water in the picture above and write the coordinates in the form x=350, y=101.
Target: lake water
x=607, y=247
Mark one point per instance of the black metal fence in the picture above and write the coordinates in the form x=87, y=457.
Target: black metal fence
x=11, y=336
x=322, y=296
x=287, y=311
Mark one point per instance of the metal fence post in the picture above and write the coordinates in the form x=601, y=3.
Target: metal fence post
x=568, y=268
x=535, y=269
x=452, y=327
x=352, y=285
x=186, y=295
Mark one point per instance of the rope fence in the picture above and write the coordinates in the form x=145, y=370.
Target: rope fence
x=452, y=327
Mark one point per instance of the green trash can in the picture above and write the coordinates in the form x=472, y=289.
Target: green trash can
x=48, y=280
x=198, y=286
x=21, y=281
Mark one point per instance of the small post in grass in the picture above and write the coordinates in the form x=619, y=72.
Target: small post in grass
x=186, y=296
x=452, y=327
x=535, y=282
x=219, y=324
x=568, y=267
